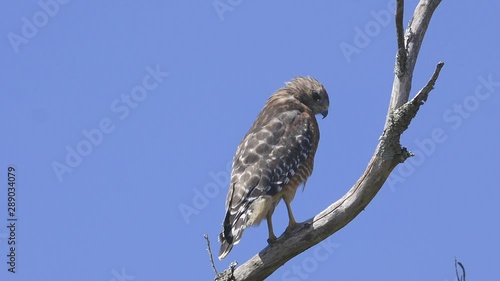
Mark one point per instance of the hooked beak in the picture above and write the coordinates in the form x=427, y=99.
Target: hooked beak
x=324, y=113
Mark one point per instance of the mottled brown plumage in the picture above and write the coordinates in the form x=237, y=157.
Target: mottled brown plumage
x=273, y=159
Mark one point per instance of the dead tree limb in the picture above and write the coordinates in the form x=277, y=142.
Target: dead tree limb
x=388, y=154
x=409, y=50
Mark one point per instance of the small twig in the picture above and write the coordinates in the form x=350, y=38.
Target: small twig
x=232, y=266
x=459, y=278
x=401, y=55
x=210, y=255
x=424, y=92
x=409, y=110
x=228, y=274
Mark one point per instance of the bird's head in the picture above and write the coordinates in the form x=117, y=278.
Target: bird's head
x=310, y=92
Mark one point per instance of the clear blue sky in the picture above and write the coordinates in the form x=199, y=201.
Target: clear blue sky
x=118, y=115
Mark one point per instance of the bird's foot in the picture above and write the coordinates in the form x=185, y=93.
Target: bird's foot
x=291, y=226
x=271, y=239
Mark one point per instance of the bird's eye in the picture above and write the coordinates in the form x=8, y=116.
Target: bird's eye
x=316, y=96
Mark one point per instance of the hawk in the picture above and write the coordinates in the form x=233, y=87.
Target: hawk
x=273, y=159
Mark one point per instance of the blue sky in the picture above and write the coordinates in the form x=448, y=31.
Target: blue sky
x=119, y=116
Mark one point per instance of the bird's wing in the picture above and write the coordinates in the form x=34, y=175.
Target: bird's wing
x=268, y=157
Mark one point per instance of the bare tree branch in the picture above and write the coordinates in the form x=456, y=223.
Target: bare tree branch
x=413, y=40
x=209, y=249
x=423, y=94
x=401, y=56
x=459, y=277
x=388, y=154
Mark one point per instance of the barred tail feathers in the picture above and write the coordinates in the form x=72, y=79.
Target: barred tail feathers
x=225, y=247
x=234, y=225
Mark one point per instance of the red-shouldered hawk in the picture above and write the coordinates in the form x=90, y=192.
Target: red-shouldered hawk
x=274, y=158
